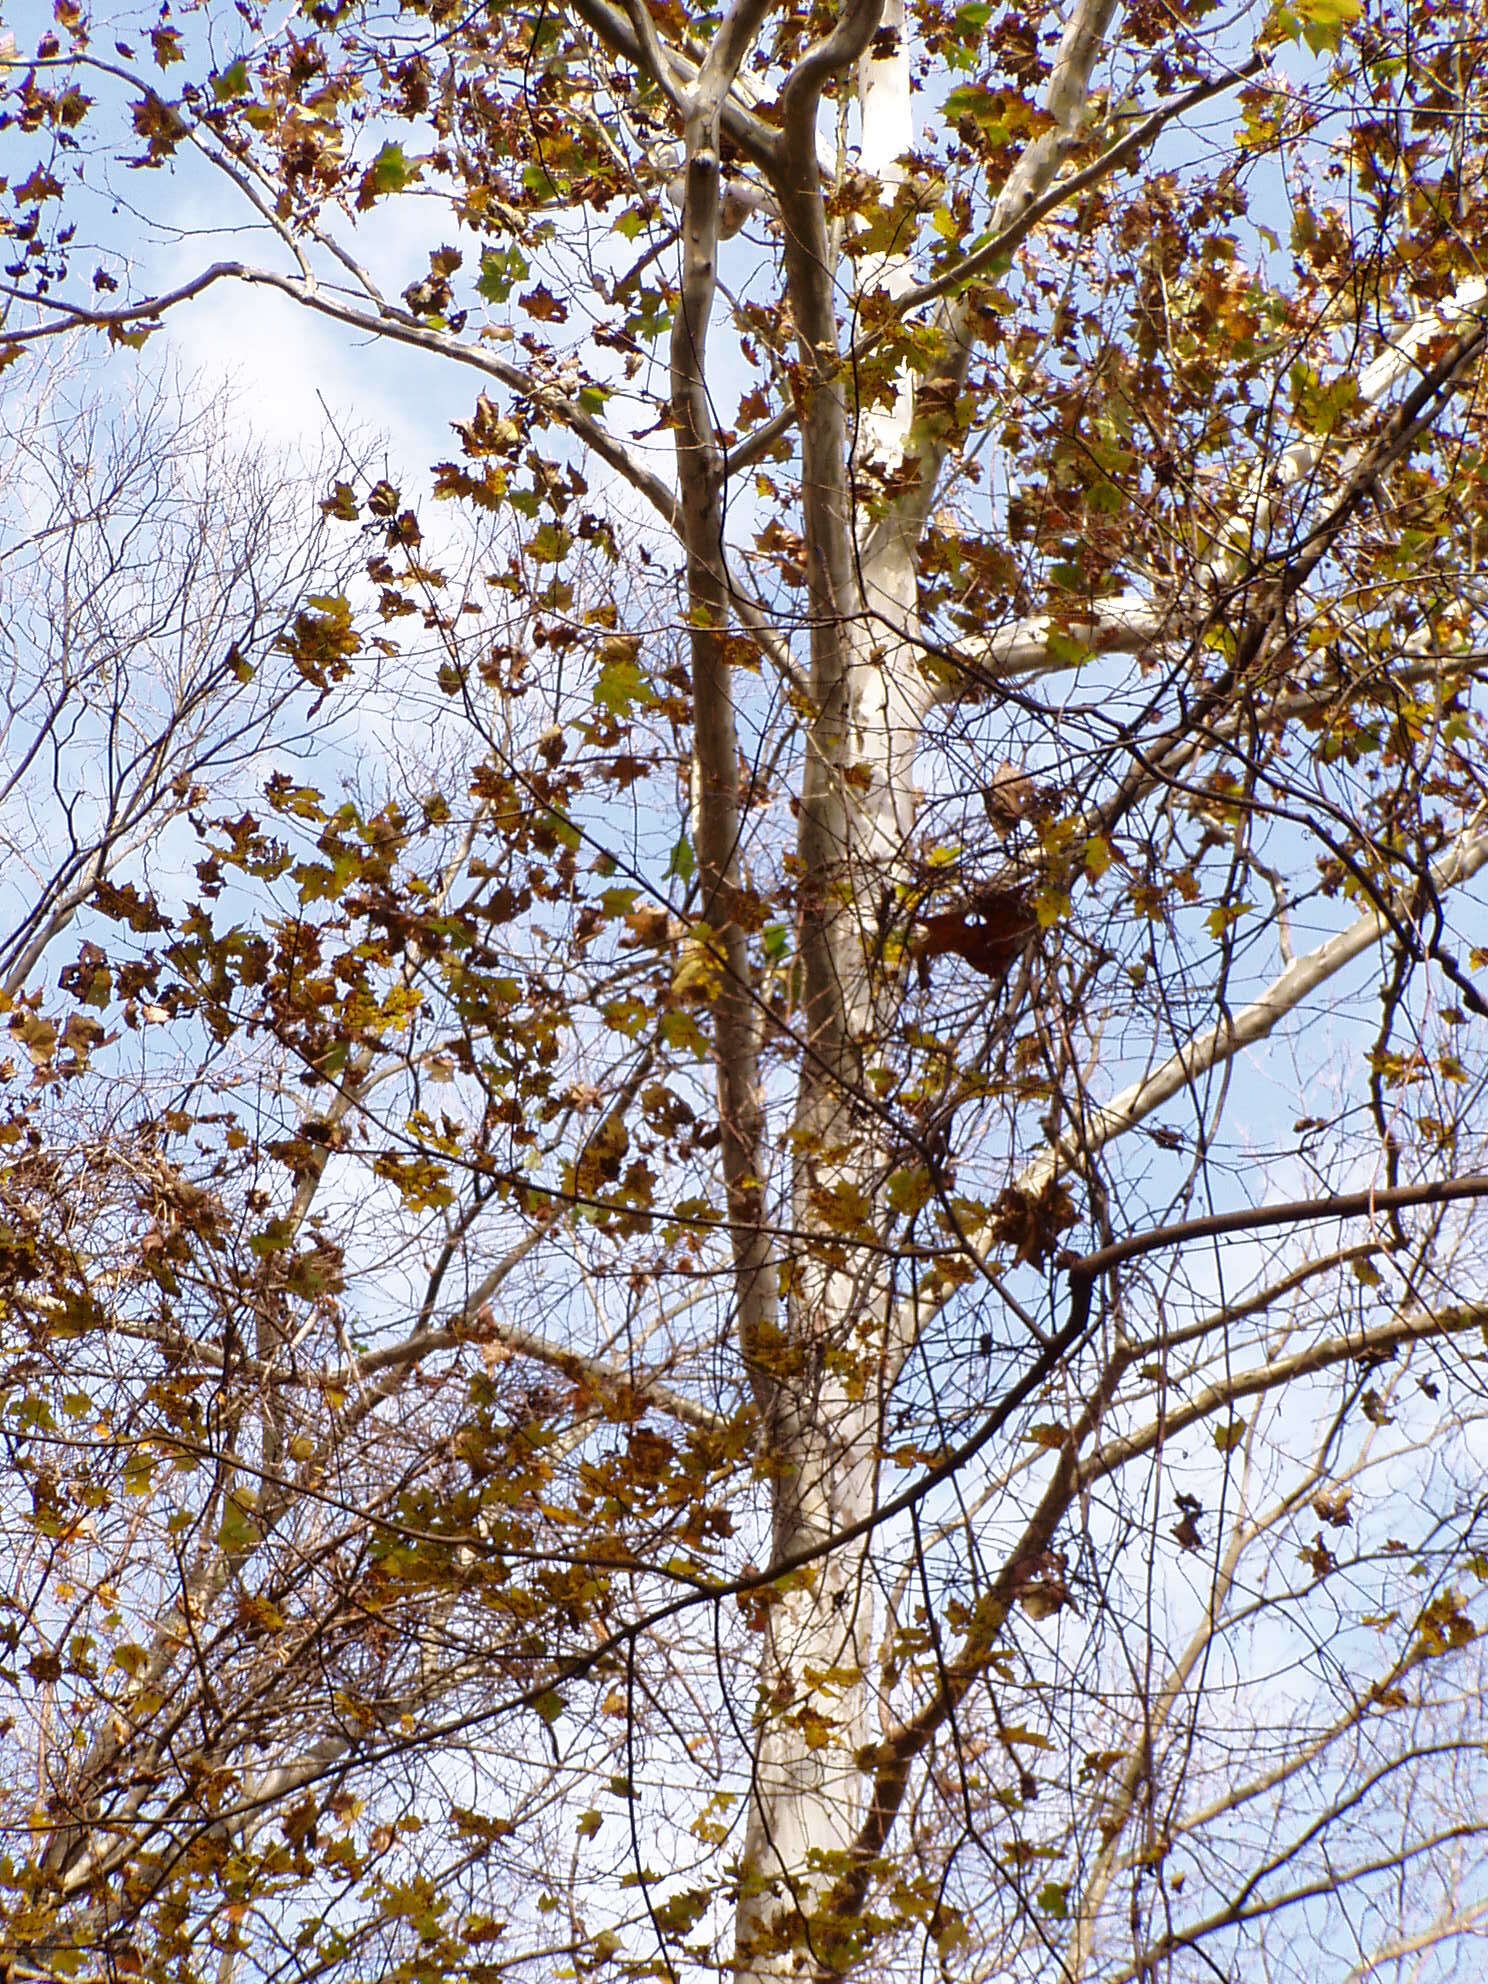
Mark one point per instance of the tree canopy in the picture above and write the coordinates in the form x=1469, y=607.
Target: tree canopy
x=739, y=1160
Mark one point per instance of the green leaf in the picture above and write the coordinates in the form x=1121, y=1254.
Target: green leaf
x=909, y=1189
x=1219, y=919
x=501, y=269
x=681, y=1030
x=1328, y=13
x=231, y=82
x=1064, y=648
x=549, y=544
x=139, y=1473
x=622, y=687
x=972, y=99
x=238, y=1531
x=680, y=1913
x=390, y=172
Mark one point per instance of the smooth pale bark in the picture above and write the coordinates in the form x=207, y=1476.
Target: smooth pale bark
x=816, y=1818
x=870, y=699
x=715, y=734
x=822, y=1426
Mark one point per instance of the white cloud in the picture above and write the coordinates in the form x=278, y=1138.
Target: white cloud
x=297, y=380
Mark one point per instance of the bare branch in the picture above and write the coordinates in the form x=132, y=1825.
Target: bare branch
x=1252, y=1024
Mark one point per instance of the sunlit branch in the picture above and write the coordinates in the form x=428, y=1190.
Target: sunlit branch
x=1257, y=1304
x=1133, y=624
x=1294, y=1212
x=757, y=443
x=1336, y=1879
x=1242, y=542
x=1367, y=1347
x=1064, y=99
x=386, y=323
x=617, y=31
x=1253, y=1023
x=1449, y=1925
x=1167, y=1696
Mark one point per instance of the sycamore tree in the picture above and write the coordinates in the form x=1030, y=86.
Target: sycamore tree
x=783, y=1278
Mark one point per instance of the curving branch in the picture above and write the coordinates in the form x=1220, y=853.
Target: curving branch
x=387, y=322
x=1253, y=1023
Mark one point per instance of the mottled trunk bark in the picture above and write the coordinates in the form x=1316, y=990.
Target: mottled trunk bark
x=857, y=818
x=811, y=1805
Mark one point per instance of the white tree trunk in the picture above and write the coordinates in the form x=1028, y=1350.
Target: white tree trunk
x=855, y=848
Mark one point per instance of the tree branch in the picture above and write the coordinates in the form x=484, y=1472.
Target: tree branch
x=1329, y=1883
x=894, y=1757
x=736, y=1015
x=1252, y=1024
x=386, y=323
x=1368, y=1347
x=753, y=136
x=1297, y=1212
x=1064, y=102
